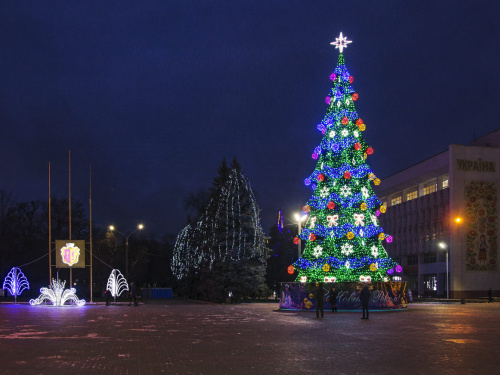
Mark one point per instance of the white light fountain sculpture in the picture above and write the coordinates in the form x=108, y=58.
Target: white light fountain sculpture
x=116, y=283
x=15, y=282
x=57, y=295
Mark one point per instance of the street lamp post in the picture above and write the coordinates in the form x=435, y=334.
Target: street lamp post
x=442, y=245
x=112, y=228
x=300, y=219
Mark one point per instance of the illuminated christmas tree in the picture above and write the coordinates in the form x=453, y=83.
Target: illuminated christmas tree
x=343, y=239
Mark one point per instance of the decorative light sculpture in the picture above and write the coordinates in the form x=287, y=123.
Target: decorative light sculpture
x=343, y=238
x=116, y=283
x=15, y=282
x=56, y=294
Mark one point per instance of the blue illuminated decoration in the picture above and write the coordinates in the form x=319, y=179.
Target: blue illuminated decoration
x=15, y=282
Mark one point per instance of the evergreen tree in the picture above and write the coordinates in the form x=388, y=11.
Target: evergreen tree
x=342, y=234
x=282, y=253
x=228, y=242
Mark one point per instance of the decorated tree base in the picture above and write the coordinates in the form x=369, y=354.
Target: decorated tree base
x=384, y=296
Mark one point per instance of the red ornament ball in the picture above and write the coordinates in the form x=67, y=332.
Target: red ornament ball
x=291, y=270
x=296, y=240
x=321, y=177
x=359, y=122
x=355, y=97
x=357, y=146
x=369, y=150
x=345, y=121
x=306, y=208
x=347, y=175
x=331, y=205
x=351, y=79
x=312, y=237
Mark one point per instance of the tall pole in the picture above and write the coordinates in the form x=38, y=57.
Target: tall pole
x=50, y=235
x=69, y=226
x=447, y=280
x=300, y=241
x=126, y=257
x=90, y=219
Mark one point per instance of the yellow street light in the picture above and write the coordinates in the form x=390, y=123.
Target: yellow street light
x=139, y=227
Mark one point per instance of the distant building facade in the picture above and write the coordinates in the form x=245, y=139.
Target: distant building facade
x=447, y=204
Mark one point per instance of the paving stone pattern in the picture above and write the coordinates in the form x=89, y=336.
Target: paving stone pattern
x=184, y=337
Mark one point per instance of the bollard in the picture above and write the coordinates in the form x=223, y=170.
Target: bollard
x=462, y=301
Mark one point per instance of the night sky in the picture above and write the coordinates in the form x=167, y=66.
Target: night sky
x=153, y=94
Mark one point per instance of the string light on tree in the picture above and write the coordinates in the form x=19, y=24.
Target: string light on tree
x=343, y=240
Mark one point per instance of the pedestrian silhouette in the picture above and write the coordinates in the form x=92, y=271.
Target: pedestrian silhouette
x=364, y=298
x=333, y=299
x=320, y=300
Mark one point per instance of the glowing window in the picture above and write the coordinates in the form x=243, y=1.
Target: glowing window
x=412, y=195
x=395, y=201
x=430, y=189
x=445, y=184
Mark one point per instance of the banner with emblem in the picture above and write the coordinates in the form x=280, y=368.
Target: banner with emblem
x=70, y=253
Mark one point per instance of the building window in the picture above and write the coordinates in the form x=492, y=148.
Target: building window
x=412, y=195
x=412, y=260
x=430, y=282
x=445, y=184
x=430, y=258
x=430, y=189
x=395, y=201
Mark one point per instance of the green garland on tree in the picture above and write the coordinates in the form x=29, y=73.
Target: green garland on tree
x=343, y=238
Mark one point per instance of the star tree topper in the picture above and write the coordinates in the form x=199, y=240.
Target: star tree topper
x=341, y=42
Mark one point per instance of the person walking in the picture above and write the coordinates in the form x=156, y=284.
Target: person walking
x=333, y=299
x=364, y=297
x=107, y=296
x=490, y=295
x=320, y=300
x=133, y=294
x=410, y=296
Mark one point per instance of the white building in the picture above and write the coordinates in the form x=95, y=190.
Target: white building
x=447, y=204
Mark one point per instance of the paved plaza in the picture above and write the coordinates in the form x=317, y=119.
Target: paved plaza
x=185, y=337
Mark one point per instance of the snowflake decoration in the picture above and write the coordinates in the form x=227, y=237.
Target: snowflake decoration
x=344, y=133
x=341, y=42
x=375, y=251
x=347, y=249
x=364, y=192
x=345, y=191
x=332, y=134
x=356, y=133
x=325, y=192
x=317, y=251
